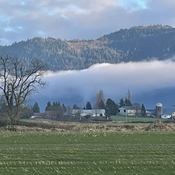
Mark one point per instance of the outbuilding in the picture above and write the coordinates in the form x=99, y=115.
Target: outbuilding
x=127, y=110
x=90, y=112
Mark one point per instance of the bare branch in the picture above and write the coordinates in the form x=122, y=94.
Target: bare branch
x=18, y=80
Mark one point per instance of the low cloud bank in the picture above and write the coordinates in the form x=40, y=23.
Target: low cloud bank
x=115, y=80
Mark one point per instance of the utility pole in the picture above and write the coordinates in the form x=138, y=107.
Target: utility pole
x=172, y=116
x=126, y=116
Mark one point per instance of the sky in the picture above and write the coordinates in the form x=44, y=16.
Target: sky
x=83, y=19
x=140, y=78
x=90, y=19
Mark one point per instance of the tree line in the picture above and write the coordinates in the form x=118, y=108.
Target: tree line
x=110, y=106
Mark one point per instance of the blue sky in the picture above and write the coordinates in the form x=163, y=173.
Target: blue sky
x=84, y=19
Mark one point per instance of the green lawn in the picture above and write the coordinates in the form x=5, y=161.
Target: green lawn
x=134, y=119
x=99, y=153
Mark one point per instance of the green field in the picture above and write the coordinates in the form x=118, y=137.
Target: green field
x=108, y=153
x=135, y=119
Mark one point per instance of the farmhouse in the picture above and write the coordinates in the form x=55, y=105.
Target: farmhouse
x=90, y=112
x=127, y=110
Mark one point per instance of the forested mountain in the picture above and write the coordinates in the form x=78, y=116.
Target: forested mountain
x=134, y=44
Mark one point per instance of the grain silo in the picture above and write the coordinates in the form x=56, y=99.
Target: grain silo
x=159, y=108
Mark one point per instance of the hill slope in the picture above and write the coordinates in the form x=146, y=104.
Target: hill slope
x=134, y=44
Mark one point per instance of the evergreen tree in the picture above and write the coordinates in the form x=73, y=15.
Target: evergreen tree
x=143, y=111
x=26, y=112
x=88, y=105
x=36, y=108
x=121, y=103
x=48, y=107
x=127, y=102
x=56, y=108
x=112, y=106
x=75, y=106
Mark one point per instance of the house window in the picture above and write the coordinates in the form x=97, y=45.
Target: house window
x=124, y=110
x=118, y=110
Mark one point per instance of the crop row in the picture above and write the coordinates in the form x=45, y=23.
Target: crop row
x=90, y=153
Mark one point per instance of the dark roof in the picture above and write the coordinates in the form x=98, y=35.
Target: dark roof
x=128, y=107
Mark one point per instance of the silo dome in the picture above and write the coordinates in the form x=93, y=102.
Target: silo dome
x=159, y=105
x=159, y=110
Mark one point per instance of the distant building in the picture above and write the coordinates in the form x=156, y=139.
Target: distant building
x=90, y=112
x=150, y=112
x=127, y=110
x=37, y=115
x=159, y=110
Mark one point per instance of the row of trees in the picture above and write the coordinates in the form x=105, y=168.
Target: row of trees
x=111, y=108
x=57, y=108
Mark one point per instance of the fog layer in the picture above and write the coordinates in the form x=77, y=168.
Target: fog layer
x=70, y=87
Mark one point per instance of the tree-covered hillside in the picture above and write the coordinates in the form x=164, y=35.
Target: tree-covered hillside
x=134, y=44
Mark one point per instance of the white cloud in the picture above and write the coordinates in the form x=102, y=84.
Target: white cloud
x=114, y=79
x=86, y=19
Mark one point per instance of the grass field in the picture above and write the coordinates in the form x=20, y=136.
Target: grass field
x=87, y=153
x=135, y=119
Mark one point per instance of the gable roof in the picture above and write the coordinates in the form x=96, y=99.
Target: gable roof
x=128, y=107
x=88, y=111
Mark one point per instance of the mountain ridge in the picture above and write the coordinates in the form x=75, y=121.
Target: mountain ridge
x=135, y=44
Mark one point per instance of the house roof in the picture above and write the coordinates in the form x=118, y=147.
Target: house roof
x=127, y=107
x=88, y=111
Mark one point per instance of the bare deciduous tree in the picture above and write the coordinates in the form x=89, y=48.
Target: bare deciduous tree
x=99, y=99
x=18, y=79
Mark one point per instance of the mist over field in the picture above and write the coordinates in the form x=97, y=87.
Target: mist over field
x=148, y=82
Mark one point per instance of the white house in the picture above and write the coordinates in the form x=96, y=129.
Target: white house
x=127, y=110
x=91, y=112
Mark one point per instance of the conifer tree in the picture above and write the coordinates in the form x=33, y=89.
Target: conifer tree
x=88, y=105
x=128, y=102
x=36, y=108
x=48, y=106
x=121, y=103
x=112, y=106
x=143, y=111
